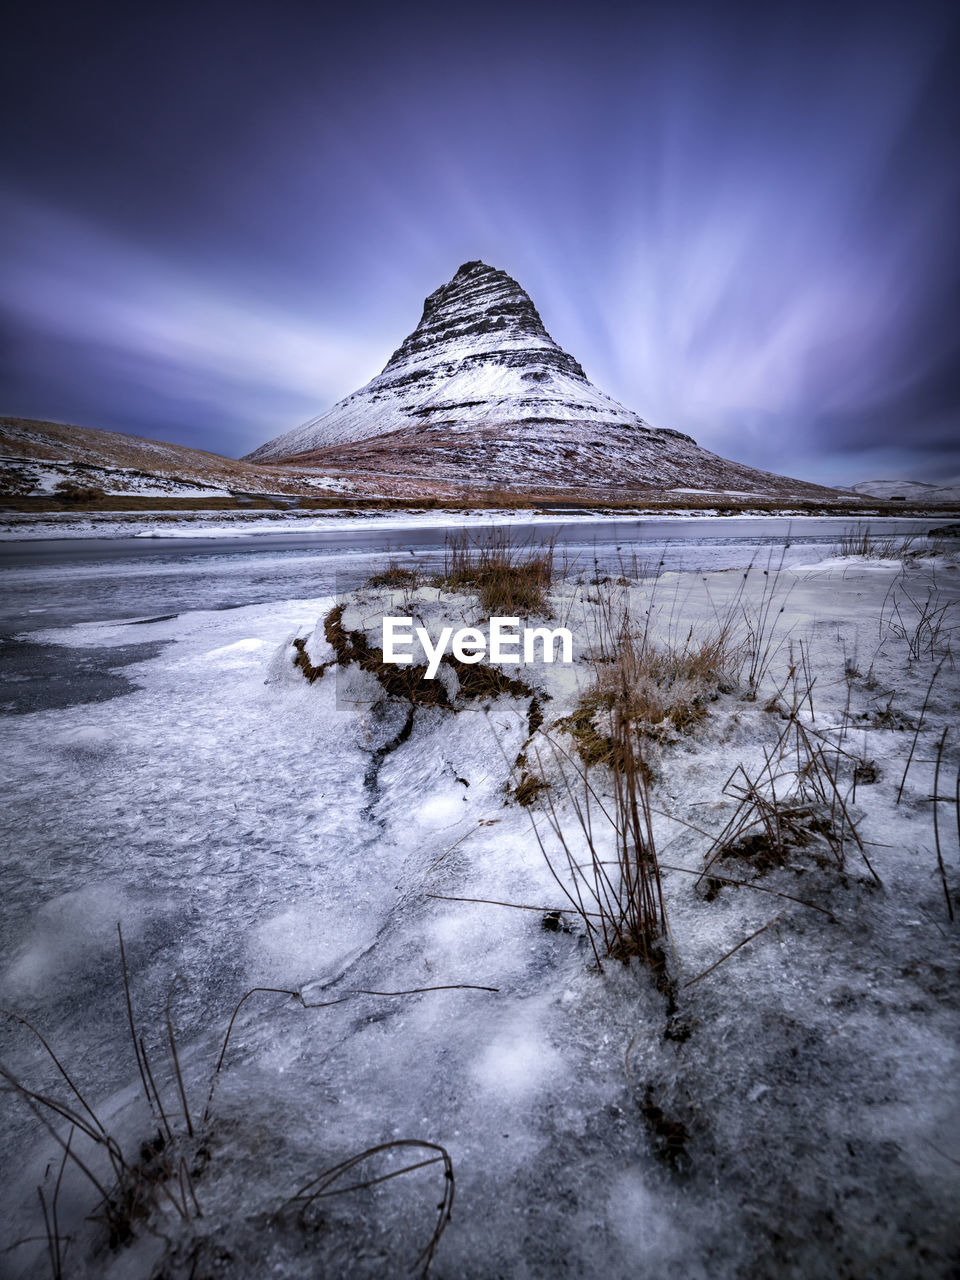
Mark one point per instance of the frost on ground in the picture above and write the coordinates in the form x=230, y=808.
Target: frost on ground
x=270, y=810
x=41, y=477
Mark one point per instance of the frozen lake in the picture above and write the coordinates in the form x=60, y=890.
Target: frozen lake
x=61, y=581
x=165, y=766
x=58, y=581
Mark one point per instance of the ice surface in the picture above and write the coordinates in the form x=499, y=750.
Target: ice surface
x=250, y=829
x=244, y=524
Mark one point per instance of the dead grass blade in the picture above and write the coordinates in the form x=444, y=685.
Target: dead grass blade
x=175, y=1058
x=130, y=1019
x=733, y=951
x=916, y=735
x=493, y=902
x=324, y=1185
x=751, y=884
x=937, y=800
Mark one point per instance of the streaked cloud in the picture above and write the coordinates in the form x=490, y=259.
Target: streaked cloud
x=739, y=221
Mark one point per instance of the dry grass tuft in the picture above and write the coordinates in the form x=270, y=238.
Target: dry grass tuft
x=861, y=542
x=147, y=1189
x=509, y=579
x=608, y=851
x=925, y=624
x=476, y=680
x=396, y=575
x=302, y=662
x=406, y=682
x=651, y=689
x=481, y=680
x=797, y=799
x=528, y=788
x=600, y=808
x=73, y=492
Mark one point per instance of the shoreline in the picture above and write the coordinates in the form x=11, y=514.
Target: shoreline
x=174, y=524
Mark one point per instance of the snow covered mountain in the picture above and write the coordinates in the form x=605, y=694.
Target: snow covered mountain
x=480, y=355
x=480, y=394
x=909, y=490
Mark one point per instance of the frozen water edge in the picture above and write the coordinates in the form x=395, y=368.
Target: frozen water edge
x=221, y=812
x=245, y=524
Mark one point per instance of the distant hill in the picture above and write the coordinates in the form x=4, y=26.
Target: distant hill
x=910, y=490
x=36, y=456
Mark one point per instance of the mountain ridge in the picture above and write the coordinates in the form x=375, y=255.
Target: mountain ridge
x=480, y=393
x=478, y=356
x=36, y=454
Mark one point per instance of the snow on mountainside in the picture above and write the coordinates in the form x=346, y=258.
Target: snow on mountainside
x=479, y=355
x=36, y=455
x=910, y=490
x=481, y=394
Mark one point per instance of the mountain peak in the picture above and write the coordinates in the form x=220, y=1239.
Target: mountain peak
x=480, y=310
x=479, y=357
x=467, y=268
x=479, y=394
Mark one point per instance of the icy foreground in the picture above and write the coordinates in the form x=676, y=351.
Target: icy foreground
x=253, y=823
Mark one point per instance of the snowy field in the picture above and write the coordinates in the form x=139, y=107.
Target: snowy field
x=791, y=1112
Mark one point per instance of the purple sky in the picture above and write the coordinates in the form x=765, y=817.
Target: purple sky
x=218, y=219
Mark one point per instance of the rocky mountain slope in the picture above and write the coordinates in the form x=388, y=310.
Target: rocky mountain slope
x=611, y=462
x=480, y=393
x=479, y=356
x=36, y=456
